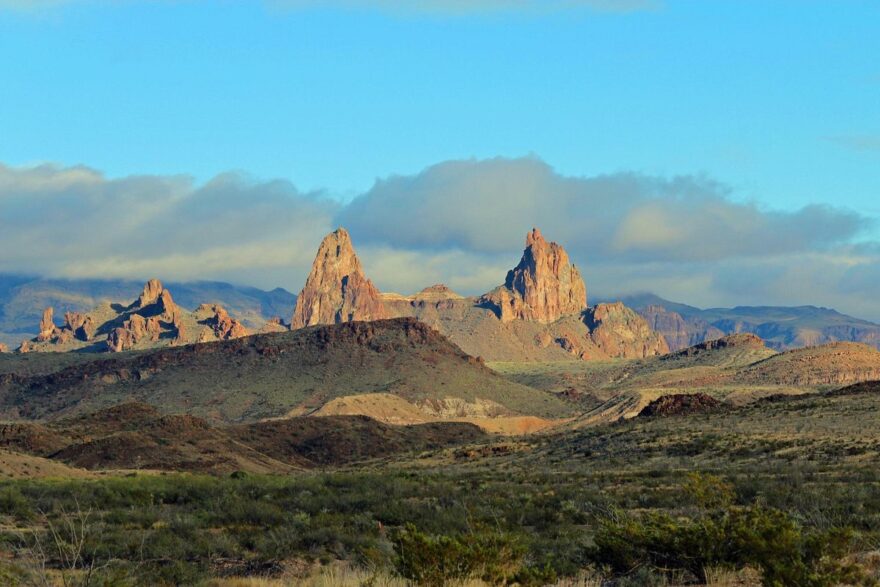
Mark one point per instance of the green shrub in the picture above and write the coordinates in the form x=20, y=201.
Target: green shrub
x=494, y=557
x=723, y=535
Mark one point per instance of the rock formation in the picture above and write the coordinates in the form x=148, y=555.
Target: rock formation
x=224, y=327
x=743, y=340
x=47, y=325
x=337, y=290
x=680, y=404
x=542, y=288
x=24, y=347
x=153, y=289
x=3, y=348
x=152, y=320
x=81, y=325
x=620, y=332
x=120, y=339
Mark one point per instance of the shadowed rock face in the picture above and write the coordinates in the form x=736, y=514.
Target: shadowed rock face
x=337, y=290
x=544, y=286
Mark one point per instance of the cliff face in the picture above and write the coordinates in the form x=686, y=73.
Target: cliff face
x=620, y=332
x=543, y=287
x=337, y=290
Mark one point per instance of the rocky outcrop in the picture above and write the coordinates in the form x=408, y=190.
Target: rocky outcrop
x=680, y=404
x=3, y=348
x=24, y=347
x=542, y=288
x=151, y=317
x=120, y=339
x=620, y=332
x=48, y=329
x=152, y=320
x=224, y=327
x=76, y=326
x=153, y=289
x=82, y=326
x=744, y=340
x=337, y=290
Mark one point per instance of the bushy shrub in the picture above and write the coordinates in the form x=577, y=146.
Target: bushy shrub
x=495, y=557
x=724, y=535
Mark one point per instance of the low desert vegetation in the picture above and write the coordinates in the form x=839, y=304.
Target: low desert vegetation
x=424, y=527
x=782, y=492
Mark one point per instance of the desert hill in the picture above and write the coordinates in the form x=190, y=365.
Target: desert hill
x=837, y=363
x=737, y=369
x=138, y=436
x=783, y=328
x=269, y=375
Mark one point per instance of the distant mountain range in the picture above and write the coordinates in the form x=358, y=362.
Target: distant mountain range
x=782, y=328
x=22, y=300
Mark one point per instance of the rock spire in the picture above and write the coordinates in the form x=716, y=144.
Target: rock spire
x=337, y=289
x=544, y=286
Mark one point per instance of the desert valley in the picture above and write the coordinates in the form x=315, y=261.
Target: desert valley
x=439, y=293
x=513, y=429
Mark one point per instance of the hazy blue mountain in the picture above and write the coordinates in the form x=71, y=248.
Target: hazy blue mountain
x=781, y=327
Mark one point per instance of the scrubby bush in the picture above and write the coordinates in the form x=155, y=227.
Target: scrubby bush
x=492, y=556
x=724, y=535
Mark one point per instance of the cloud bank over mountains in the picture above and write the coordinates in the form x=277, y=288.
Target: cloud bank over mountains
x=459, y=222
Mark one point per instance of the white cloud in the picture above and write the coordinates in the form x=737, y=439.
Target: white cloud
x=459, y=222
x=74, y=222
x=487, y=206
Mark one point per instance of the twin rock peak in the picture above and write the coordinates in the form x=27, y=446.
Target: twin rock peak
x=543, y=287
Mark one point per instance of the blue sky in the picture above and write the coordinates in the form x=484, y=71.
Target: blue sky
x=766, y=109
x=753, y=93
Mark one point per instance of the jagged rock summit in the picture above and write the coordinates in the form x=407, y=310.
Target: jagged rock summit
x=337, y=290
x=544, y=286
x=152, y=320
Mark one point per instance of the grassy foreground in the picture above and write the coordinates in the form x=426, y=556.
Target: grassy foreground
x=783, y=492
